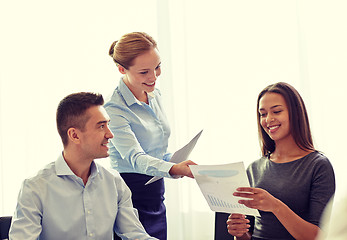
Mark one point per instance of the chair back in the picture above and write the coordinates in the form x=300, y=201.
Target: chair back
x=5, y=223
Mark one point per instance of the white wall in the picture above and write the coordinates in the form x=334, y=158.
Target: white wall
x=50, y=49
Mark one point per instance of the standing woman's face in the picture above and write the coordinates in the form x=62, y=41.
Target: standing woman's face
x=142, y=75
x=274, y=116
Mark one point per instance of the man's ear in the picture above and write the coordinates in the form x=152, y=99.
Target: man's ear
x=121, y=69
x=73, y=135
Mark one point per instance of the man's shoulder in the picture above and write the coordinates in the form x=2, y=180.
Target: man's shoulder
x=43, y=177
x=43, y=173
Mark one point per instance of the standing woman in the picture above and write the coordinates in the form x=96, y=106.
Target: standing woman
x=292, y=182
x=141, y=130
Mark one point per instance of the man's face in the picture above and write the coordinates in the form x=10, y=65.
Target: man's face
x=94, y=138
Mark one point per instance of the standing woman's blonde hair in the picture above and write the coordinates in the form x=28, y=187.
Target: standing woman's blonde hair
x=129, y=46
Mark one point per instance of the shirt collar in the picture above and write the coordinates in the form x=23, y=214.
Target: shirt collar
x=129, y=97
x=63, y=169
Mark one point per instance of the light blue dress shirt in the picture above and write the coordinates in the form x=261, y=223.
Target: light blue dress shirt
x=56, y=205
x=141, y=132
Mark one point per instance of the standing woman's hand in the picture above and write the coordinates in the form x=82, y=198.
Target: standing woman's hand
x=259, y=199
x=182, y=169
x=238, y=225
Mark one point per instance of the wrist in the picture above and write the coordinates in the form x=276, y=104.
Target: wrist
x=277, y=207
x=173, y=172
x=246, y=236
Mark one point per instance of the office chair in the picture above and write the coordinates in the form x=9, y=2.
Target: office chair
x=5, y=223
x=220, y=227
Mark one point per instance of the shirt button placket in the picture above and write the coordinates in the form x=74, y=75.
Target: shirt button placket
x=89, y=215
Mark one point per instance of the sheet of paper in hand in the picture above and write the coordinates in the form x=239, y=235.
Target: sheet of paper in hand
x=180, y=155
x=218, y=183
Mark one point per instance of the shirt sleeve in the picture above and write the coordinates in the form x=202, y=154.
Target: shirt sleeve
x=127, y=224
x=323, y=188
x=26, y=221
x=130, y=150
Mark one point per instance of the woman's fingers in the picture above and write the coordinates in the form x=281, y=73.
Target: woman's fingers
x=237, y=224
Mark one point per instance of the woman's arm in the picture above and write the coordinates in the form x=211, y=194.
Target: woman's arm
x=262, y=200
x=130, y=149
x=295, y=225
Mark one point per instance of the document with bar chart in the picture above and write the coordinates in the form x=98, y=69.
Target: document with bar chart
x=218, y=183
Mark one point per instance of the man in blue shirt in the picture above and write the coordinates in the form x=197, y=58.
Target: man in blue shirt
x=75, y=198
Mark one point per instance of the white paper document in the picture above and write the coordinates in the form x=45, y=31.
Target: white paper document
x=180, y=155
x=218, y=183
